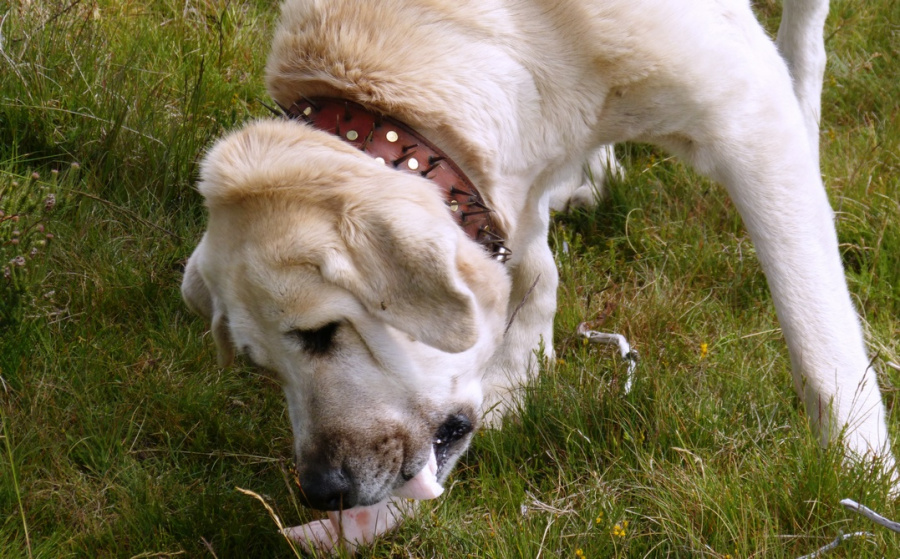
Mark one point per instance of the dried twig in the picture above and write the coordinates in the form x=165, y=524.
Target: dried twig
x=864, y=511
x=841, y=537
x=550, y=522
x=625, y=350
x=871, y=515
x=273, y=516
x=521, y=304
x=209, y=548
x=544, y=507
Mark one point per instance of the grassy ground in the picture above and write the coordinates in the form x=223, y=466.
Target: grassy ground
x=122, y=439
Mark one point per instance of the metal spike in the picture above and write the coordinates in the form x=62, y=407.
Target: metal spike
x=432, y=159
x=368, y=139
x=491, y=236
x=300, y=113
x=337, y=125
x=272, y=110
x=479, y=212
x=401, y=159
x=430, y=169
x=347, y=114
x=311, y=102
x=454, y=190
x=409, y=147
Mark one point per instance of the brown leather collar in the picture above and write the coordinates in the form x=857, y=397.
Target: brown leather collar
x=396, y=144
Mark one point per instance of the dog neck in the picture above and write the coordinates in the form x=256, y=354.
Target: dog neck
x=395, y=144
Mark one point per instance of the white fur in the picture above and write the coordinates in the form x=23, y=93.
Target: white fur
x=303, y=230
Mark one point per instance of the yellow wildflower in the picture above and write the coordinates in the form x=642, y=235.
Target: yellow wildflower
x=579, y=553
x=704, y=349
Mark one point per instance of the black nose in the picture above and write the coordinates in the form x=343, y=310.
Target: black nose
x=454, y=428
x=326, y=488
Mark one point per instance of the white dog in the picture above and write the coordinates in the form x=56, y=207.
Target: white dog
x=358, y=249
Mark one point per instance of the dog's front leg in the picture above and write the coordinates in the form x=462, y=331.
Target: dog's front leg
x=532, y=306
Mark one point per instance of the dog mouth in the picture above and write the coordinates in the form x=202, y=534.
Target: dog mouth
x=446, y=446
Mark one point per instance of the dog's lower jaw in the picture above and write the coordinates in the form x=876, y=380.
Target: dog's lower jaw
x=350, y=528
x=357, y=526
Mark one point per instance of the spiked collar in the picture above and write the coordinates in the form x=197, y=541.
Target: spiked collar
x=397, y=145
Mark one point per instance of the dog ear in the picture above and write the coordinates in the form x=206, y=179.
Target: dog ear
x=407, y=275
x=200, y=300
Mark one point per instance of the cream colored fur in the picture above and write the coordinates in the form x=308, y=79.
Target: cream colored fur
x=305, y=231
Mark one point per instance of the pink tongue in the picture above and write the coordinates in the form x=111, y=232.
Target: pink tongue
x=424, y=485
x=349, y=528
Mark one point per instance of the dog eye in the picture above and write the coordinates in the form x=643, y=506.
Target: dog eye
x=318, y=341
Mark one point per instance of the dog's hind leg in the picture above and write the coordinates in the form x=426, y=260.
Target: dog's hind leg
x=786, y=211
x=746, y=130
x=584, y=187
x=801, y=42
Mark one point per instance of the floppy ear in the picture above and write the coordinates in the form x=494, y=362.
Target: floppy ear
x=406, y=274
x=200, y=300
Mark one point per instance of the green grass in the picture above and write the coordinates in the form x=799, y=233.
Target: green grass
x=122, y=439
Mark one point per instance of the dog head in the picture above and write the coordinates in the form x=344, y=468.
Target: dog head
x=352, y=282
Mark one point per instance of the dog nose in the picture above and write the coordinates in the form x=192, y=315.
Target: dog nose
x=326, y=488
x=454, y=428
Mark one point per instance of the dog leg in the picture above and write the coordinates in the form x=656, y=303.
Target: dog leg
x=753, y=140
x=584, y=187
x=796, y=243
x=800, y=41
x=529, y=333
